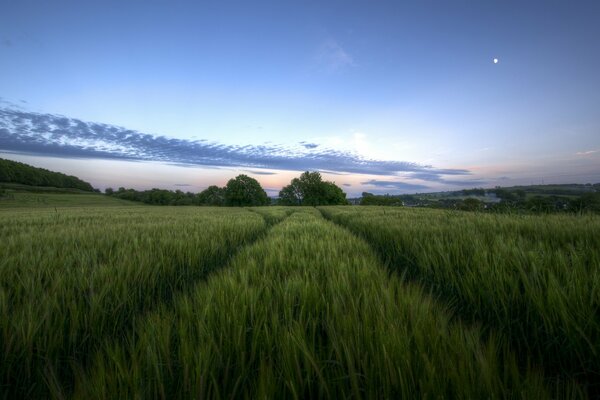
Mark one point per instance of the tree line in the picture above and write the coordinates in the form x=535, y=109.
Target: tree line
x=239, y=191
x=242, y=191
x=510, y=201
x=16, y=172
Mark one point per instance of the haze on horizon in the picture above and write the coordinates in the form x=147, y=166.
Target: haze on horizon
x=385, y=97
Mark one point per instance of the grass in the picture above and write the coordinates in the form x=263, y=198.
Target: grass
x=273, y=215
x=13, y=200
x=19, y=187
x=535, y=280
x=129, y=301
x=70, y=280
x=306, y=312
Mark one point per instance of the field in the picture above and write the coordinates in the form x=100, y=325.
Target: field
x=113, y=300
x=18, y=199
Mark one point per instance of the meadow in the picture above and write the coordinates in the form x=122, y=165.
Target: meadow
x=129, y=301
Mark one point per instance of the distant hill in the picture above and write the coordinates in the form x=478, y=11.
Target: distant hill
x=569, y=190
x=14, y=172
x=536, y=198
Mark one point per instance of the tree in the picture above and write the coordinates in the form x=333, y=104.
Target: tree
x=471, y=204
x=16, y=172
x=474, y=192
x=212, y=196
x=541, y=204
x=369, y=199
x=291, y=195
x=310, y=190
x=334, y=194
x=586, y=202
x=245, y=191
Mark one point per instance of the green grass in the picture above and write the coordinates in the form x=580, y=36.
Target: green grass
x=535, y=280
x=307, y=312
x=273, y=215
x=130, y=301
x=27, y=200
x=39, y=189
x=70, y=280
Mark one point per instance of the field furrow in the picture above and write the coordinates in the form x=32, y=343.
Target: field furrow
x=308, y=311
x=534, y=280
x=70, y=280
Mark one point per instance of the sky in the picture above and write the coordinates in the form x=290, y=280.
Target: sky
x=380, y=96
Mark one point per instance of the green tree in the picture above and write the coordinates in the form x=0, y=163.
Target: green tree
x=471, y=204
x=334, y=194
x=310, y=190
x=245, y=191
x=212, y=196
x=291, y=195
x=540, y=204
x=474, y=192
x=586, y=202
x=16, y=172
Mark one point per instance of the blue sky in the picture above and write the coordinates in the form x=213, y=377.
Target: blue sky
x=391, y=97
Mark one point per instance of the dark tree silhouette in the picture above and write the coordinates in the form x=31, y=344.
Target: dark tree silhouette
x=245, y=191
x=310, y=190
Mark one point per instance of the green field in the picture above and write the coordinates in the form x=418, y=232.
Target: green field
x=103, y=299
x=41, y=199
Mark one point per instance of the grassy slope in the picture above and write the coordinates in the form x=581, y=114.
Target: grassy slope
x=306, y=312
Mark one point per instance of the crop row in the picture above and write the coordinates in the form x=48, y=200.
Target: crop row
x=307, y=311
x=533, y=280
x=71, y=280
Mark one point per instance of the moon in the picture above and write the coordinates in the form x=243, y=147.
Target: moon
x=496, y=61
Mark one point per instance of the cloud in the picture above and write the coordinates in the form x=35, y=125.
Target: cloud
x=346, y=184
x=5, y=103
x=260, y=172
x=395, y=185
x=437, y=176
x=333, y=57
x=586, y=153
x=182, y=184
x=309, y=145
x=59, y=136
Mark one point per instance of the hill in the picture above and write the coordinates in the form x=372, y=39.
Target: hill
x=537, y=198
x=19, y=173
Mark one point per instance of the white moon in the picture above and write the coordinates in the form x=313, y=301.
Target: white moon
x=496, y=61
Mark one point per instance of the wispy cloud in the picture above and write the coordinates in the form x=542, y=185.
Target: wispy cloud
x=333, y=57
x=437, y=176
x=309, y=145
x=586, y=153
x=59, y=136
x=260, y=172
x=394, y=185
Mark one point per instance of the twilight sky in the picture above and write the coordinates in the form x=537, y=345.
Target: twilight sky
x=381, y=96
